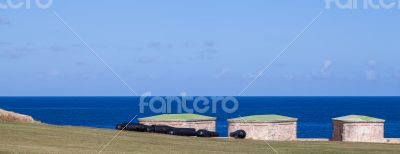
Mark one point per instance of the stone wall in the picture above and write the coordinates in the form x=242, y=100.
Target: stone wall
x=201, y=124
x=358, y=132
x=278, y=131
x=392, y=140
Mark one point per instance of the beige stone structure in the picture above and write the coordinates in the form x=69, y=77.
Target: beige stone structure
x=181, y=121
x=357, y=128
x=265, y=127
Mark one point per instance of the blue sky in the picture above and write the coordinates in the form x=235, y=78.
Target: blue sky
x=203, y=47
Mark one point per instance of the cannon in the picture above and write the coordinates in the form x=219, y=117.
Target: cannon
x=206, y=133
x=162, y=129
x=183, y=131
x=240, y=134
x=132, y=127
x=121, y=126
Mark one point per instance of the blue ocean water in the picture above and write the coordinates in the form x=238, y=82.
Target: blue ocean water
x=314, y=113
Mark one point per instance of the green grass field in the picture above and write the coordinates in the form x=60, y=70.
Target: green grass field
x=37, y=138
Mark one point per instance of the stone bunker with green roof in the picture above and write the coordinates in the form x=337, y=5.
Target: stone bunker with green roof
x=181, y=121
x=265, y=127
x=358, y=128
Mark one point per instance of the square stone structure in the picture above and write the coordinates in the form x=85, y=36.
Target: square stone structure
x=358, y=128
x=265, y=127
x=181, y=121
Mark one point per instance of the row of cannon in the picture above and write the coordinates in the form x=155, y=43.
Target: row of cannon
x=164, y=129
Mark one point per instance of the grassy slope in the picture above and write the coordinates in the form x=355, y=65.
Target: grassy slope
x=28, y=138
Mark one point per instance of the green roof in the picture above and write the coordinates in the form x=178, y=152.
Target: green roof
x=264, y=118
x=177, y=117
x=358, y=118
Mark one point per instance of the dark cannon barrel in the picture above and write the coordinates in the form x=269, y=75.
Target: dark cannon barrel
x=241, y=134
x=183, y=131
x=137, y=127
x=132, y=127
x=151, y=129
x=162, y=129
x=120, y=126
x=206, y=133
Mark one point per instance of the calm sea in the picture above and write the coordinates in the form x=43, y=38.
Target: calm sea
x=314, y=113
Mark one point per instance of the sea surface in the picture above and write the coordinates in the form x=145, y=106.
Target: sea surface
x=314, y=113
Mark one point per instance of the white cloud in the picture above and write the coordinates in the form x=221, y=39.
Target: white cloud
x=144, y=60
x=372, y=63
x=223, y=72
x=58, y=48
x=370, y=72
x=324, y=71
x=152, y=76
x=53, y=73
x=145, y=94
x=85, y=76
x=206, y=54
x=252, y=75
x=326, y=68
x=183, y=93
x=16, y=51
x=209, y=43
x=154, y=45
x=327, y=64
